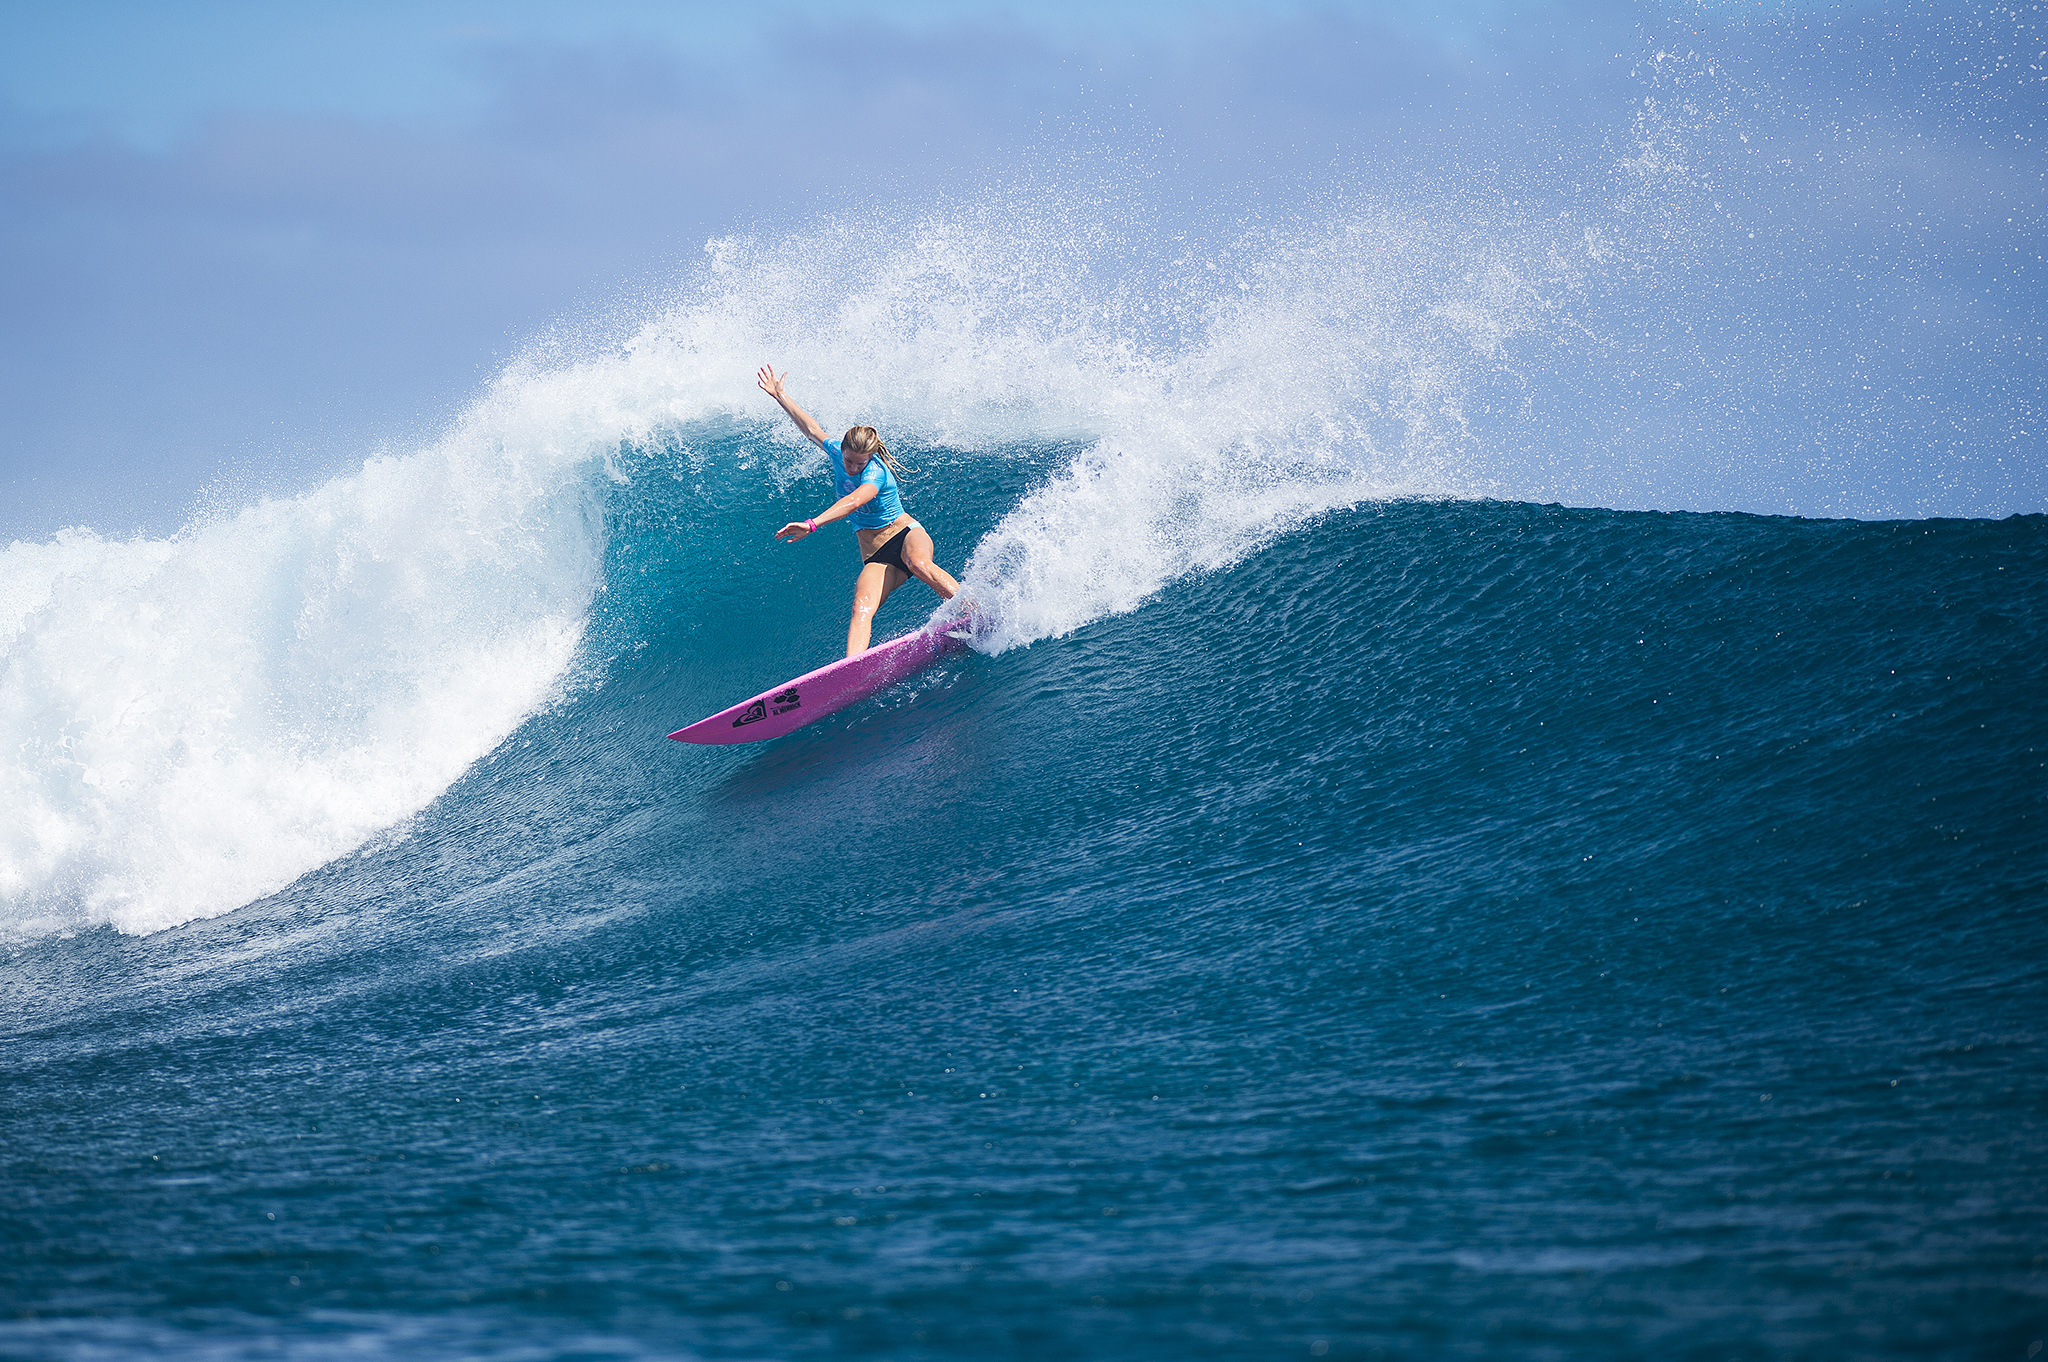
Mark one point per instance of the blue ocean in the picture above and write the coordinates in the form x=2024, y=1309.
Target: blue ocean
x=1376, y=887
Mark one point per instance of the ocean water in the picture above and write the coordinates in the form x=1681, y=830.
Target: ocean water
x=1347, y=904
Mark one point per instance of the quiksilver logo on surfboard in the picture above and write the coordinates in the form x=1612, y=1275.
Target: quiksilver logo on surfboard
x=783, y=702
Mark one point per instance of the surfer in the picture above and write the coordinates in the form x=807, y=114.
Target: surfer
x=893, y=546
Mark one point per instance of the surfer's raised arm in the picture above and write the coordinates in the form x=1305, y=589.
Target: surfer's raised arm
x=771, y=383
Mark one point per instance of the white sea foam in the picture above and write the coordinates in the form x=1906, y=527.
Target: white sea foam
x=191, y=723
x=194, y=722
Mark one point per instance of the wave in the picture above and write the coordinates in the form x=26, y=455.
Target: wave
x=194, y=722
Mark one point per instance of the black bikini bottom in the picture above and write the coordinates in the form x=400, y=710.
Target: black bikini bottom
x=891, y=552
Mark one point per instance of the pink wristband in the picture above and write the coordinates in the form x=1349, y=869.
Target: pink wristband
x=811, y=525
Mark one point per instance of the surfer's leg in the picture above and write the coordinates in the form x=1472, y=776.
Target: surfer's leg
x=868, y=590
x=917, y=556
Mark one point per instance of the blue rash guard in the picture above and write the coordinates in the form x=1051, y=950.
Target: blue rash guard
x=887, y=504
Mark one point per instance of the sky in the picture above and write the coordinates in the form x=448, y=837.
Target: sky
x=151, y=67
x=242, y=244
x=151, y=70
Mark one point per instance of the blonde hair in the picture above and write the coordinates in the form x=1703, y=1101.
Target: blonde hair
x=863, y=442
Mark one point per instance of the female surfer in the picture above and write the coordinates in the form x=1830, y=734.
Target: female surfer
x=893, y=546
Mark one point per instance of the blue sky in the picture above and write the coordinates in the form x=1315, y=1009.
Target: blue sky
x=245, y=242
x=151, y=70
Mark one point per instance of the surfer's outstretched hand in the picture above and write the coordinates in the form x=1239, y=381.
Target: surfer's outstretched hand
x=793, y=531
x=770, y=381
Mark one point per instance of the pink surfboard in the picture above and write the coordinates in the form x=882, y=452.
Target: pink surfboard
x=829, y=689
